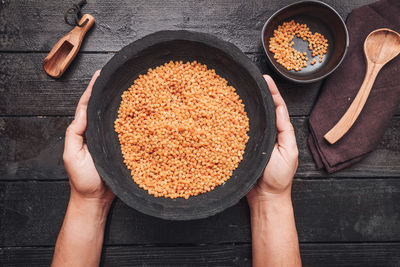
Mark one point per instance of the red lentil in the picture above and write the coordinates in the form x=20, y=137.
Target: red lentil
x=281, y=44
x=182, y=130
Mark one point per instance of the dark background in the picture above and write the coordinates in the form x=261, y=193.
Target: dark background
x=350, y=218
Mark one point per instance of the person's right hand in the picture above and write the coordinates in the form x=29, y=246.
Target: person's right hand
x=84, y=179
x=80, y=240
x=278, y=175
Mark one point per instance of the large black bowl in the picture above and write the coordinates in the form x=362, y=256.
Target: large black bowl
x=154, y=50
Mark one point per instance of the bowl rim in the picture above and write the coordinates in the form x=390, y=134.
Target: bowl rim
x=322, y=76
x=162, y=36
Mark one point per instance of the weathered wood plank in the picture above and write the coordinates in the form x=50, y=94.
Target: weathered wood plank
x=28, y=90
x=382, y=162
x=364, y=255
x=37, y=25
x=345, y=210
x=25, y=89
x=31, y=149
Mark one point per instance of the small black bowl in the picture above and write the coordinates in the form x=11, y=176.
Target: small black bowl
x=321, y=18
x=154, y=50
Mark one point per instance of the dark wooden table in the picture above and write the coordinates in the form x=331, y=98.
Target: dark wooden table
x=348, y=218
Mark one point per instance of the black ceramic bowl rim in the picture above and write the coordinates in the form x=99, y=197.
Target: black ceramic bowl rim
x=305, y=2
x=123, y=56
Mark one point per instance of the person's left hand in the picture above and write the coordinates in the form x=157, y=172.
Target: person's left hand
x=84, y=179
x=277, y=179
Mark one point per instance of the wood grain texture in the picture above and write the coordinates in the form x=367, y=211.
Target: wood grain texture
x=37, y=25
x=31, y=149
x=29, y=91
x=32, y=203
x=345, y=210
x=365, y=255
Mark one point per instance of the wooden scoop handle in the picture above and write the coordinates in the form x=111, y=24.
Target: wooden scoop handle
x=65, y=50
x=77, y=34
x=348, y=119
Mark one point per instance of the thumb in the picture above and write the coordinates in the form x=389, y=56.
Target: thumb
x=74, y=136
x=286, y=136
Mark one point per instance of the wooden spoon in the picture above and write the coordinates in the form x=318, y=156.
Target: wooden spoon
x=381, y=46
x=65, y=50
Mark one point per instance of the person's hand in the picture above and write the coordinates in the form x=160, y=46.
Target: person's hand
x=84, y=179
x=278, y=175
x=80, y=240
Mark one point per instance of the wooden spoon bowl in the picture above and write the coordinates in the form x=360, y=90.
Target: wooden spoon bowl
x=381, y=46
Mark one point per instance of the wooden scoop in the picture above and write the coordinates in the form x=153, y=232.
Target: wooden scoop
x=380, y=47
x=65, y=50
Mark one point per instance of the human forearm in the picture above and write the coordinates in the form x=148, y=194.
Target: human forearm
x=274, y=234
x=80, y=239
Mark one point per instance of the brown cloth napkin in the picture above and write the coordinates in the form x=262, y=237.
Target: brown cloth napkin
x=341, y=87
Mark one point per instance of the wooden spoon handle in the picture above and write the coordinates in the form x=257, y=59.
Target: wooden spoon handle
x=351, y=115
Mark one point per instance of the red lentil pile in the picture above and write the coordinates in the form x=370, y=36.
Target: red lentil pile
x=182, y=130
x=281, y=44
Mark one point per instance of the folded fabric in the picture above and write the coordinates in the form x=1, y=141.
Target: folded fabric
x=341, y=87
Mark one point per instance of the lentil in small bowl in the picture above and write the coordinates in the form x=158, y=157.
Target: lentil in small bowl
x=305, y=41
